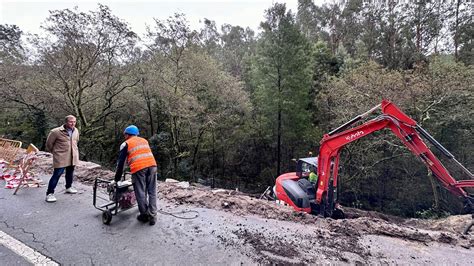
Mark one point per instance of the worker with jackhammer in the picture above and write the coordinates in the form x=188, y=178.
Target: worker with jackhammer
x=136, y=151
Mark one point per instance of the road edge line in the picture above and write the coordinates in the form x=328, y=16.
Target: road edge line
x=25, y=251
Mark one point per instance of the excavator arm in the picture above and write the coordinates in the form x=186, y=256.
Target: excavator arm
x=407, y=130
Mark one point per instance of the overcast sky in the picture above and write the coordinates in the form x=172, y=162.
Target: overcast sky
x=29, y=14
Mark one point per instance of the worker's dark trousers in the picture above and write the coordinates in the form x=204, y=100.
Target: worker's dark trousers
x=57, y=174
x=144, y=184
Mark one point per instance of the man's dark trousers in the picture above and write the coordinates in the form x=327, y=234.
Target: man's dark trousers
x=144, y=184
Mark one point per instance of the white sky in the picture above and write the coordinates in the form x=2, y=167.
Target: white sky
x=29, y=14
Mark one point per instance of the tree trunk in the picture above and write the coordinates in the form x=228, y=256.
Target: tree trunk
x=279, y=125
x=174, y=142
x=146, y=95
x=196, y=149
x=456, y=34
x=392, y=38
x=434, y=188
x=419, y=29
x=213, y=164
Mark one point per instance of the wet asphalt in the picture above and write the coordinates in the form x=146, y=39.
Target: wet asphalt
x=70, y=232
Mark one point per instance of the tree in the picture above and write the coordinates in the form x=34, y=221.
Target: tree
x=210, y=37
x=11, y=48
x=396, y=47
x=83, y=60
x=333, y=23
x=351, y=25
x=238, y=44
x=194, y=94
x=370, y=24
x=424, y=20
x=282, y=70
x=23, y=109
x=462, y=28
x=308, y=19
x=171, y=39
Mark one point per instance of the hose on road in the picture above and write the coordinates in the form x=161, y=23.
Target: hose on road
x=179, y=214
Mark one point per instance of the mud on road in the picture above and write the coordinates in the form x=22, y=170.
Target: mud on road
x=362, y=237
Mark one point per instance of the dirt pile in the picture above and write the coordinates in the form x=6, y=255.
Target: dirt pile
x=86, y=172
x=359, y=222
x=229, y=200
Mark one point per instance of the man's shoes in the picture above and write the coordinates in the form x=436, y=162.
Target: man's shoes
x=142, y=218
x=71, y=190
x=152, y=220
x=50, y=198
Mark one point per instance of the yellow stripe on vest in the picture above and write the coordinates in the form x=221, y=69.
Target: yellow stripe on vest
x=140, y=156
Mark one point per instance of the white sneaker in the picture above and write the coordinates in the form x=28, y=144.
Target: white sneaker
x=50, y=198
x=71, y=190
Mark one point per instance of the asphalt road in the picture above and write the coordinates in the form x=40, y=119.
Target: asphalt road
x=70, y=231
x=8, y=257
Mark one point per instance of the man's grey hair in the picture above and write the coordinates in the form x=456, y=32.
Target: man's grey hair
x=69, y=117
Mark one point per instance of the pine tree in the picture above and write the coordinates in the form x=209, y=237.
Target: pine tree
x=282, y=82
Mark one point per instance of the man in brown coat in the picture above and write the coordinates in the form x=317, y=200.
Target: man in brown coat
x=62, y=143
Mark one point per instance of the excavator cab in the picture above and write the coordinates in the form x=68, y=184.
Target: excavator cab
x=306, y=165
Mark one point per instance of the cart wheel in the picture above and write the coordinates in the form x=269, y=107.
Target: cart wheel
x=106, y=217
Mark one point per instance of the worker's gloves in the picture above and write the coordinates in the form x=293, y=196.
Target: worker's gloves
x=124, y=183
x=120, y=183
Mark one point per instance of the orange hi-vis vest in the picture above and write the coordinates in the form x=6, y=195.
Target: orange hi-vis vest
x=139, y=154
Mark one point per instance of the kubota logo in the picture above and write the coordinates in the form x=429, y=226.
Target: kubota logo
x=355, y=135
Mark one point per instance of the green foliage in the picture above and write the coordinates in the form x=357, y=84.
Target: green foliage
x=15, y=126
x=282, y=80
x=431, y=214
x=11, y=47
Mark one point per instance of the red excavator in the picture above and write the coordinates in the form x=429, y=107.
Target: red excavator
x=321, y=198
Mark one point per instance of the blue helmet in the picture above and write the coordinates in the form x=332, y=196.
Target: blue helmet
x=131, y=130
